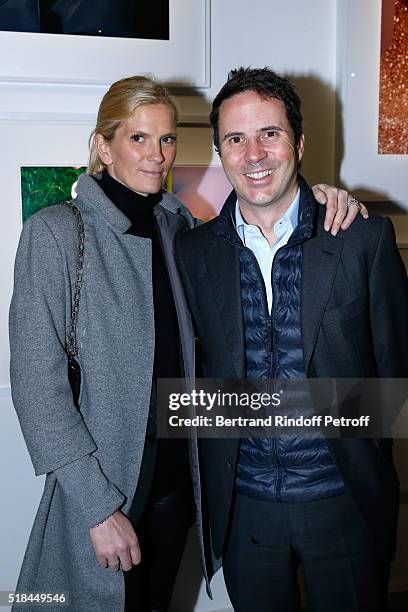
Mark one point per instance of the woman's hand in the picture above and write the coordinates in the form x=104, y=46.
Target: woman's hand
x=115, y=543
x=340, y=213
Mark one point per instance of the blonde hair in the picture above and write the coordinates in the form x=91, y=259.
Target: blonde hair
x=118, y=104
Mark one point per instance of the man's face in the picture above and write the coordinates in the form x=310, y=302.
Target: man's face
x=257, y=149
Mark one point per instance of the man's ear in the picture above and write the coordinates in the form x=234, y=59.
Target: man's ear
x=300, y=148
x=103, y=149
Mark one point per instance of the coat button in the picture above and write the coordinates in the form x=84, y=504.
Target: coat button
x=228, y=465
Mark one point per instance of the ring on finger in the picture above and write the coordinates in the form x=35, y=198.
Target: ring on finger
x=352, y=201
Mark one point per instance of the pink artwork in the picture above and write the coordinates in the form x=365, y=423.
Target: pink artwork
x=202, y=189
x=393, y=115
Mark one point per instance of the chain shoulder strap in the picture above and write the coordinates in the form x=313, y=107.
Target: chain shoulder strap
x=71, y=345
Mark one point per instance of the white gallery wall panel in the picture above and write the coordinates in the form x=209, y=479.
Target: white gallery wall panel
x=57, y=58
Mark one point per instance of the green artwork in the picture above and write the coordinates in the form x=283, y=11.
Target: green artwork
x=42, y=186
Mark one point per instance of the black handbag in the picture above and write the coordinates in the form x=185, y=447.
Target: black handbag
x=71, y=347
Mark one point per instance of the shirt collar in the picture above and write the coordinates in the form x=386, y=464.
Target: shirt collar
x=291, y=215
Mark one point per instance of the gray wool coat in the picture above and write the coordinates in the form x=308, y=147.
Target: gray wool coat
x=91, y=456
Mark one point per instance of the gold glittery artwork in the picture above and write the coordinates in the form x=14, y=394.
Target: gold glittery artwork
x=393, y=115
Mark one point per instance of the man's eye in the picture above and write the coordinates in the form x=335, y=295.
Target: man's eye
x=169, y=139
x=235, y=140
x=137, y=138
x=274, y=134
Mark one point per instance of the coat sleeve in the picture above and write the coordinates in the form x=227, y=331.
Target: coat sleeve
x=389, y=323
x=57, y=438
x=389, y=306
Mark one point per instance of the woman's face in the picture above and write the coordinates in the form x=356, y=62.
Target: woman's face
x=143, y=148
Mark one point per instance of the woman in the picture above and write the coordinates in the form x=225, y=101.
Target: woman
x=114, y=493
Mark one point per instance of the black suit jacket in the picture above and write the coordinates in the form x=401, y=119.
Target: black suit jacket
x=354, y=319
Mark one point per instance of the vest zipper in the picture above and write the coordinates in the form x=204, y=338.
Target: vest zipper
x=272, y=371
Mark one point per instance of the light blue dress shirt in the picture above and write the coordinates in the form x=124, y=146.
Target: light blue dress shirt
x=253, y=238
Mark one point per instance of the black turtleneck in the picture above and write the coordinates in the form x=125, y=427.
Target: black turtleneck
x=140, y=211
x=165, y=463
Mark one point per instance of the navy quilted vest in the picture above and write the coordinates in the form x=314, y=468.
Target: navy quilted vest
x=291, y=469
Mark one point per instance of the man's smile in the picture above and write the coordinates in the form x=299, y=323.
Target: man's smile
x=259, y=175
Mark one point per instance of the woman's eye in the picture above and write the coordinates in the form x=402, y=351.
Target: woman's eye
x=137, y=138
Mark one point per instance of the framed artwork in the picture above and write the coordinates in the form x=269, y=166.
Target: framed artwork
x=203, y=189
x=42, y=186
x=175, y=48
x=393, y=98
x=122, y=18
x=372, y=175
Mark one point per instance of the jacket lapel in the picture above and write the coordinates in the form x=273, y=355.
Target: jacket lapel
x=321, y=257
x=222, y=260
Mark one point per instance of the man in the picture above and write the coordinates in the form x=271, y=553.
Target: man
x=275, y=296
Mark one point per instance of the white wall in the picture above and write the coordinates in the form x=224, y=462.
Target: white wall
x=293, y=37
x=45, y=123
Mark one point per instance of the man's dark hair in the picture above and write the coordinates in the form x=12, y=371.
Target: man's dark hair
x=267, y=84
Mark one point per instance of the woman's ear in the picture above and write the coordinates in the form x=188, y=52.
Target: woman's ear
x=103, y=149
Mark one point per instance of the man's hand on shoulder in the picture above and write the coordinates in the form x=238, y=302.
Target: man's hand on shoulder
x=342, y=208
x=115, y=543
